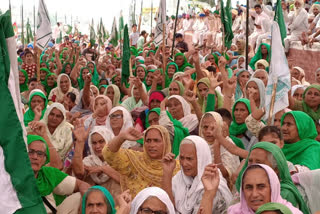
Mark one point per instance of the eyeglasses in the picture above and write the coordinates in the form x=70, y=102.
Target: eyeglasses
x=40, y=154
x=115, y=116
x=150, y=211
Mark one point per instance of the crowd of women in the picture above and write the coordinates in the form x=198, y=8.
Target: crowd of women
x=186, y=139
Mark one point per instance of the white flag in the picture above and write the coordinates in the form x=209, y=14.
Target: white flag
x=278, y=73
x=161, y=19
x=44, y=31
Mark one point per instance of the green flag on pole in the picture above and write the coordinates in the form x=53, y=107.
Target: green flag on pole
x=125, y=56
x=121, y=26
x=19, y=191
x=92, y=34
x=59, y=39
x=226, y=20
x=29, y=37
x=114, y=34
x=278, y=17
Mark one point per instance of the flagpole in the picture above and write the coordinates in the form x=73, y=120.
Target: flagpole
x=273, y=98
x=134, y=12
x=151, y=15
x=175, y=28
x=22, y=25
x=247, y=34
x=34, y=20
x=163, y=50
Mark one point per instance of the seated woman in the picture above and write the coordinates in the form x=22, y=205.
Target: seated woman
x=228, y=163
x=101, y=108
x=93, y=168
x=50, y=82
x=138, y=96
x=272, y=207
x=261, y=64
x=271, y=155
x=112, y=91
x=259, y=185
x=262, y=75
x=171, y=68
x=139, y=170
x=297, y=92
x=255, y=92
x=140, y=72
x=118, y=120
x=310, y=103
x=152, y=200
x=299, y=74
x=186, y=188
x=63, y=87
x=58, y=129
x=23, y=80
x=240, y=111
x=182, y=62
x=98, y=198
x=262, y=53
x=300, y=148
x=176, y=88
x=37, y=106
x=243, y=77
x=180, y=110
x=53, y=185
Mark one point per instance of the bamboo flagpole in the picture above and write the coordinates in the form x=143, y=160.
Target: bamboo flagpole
x=151, y=16
x=273, y=98
x=164, y=60
x=175, y=28
x=247, y=34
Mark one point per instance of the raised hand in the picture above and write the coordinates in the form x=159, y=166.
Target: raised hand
x=214, y=81
x=39, y=128
x=37, y=113
x=230, y=86
x=222, y=61
x=88, y=78
x=168, y=163
x=210, y=178
x=124, y=201
x=190, y=96
x=80, y=133
x=131, y=134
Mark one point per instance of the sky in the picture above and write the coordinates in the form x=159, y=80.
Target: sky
x=84, y=12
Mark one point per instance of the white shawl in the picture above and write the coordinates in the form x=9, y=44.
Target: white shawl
x=189, y=120
x=149, y=192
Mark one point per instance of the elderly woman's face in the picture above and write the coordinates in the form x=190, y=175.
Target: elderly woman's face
x=149, y=78
x=253, y=86
x=179, y=60
x=175, y=108
x=153, y=205
x=110, y=93
x=240, y=61
x=96, y=203
x=264, y=49
x=97, y=143
x=188, y=159
x=136, y=93
x=50, y=80
x=241, y=112
x=64, y=84
x=37, y=155
x=116, y=119
x=262, y=76
x=207, y=128
x=290, y=130
x=312, y=98
x=171, y=70
x=140, y=72
x=37, y=100
x=22, y=78
x=259, y=156
x=244, y=77
x=261, y=66
x=153, y=144
x=298, y=94
x=295, y=73
x=68, y=69
x=174, y=89
x=55, y=118
x=101, y=107
x=256, y=188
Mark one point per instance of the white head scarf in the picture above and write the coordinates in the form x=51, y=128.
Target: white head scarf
x=93, y=159
x=61, y=138
x=295, y=87
x=189, y=120
x=303, y=80
x=187, y=190
x=261, y=89
x=60, y=94
x=149, y=192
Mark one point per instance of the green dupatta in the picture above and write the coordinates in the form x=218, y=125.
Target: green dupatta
x=106, y=194
x=258, y=55
x=315, y=115
x=306, y=151
x=45, y=83
x=47, y=71
x=168, y=80
x=48, y=178
x=29, y=115
x=180, y=132
x=24, y=86
x=235, y=128
x=272, y=206
x=63, y=71
x=185, y=62
x=95, y=74
x=288, y=190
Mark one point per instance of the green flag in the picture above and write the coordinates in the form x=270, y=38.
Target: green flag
x=114, y=34
x=69, y=30
x=19, y=191
x=226, y=20
x=29, y=37
x=59, y=39
x=125, y=56
x=121, y=26
x=278, y=17
x=92, y=34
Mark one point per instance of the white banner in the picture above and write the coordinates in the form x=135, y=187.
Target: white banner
x=161, y=20
x=44, y=31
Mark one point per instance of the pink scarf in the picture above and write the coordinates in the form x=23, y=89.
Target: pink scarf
x=243, y=208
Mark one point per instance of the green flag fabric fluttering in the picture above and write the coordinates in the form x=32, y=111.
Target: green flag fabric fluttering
x=125, y=56
x=121, y=26
x=114, y=34
x=226, y=20
x=29, y=37
x=278, y=17
x=92, y=34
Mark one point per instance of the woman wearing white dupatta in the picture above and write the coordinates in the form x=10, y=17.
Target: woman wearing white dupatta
x=119, y=119
x=150, y=192
x=60, y=134
x=183, y=113
x=187, y=189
